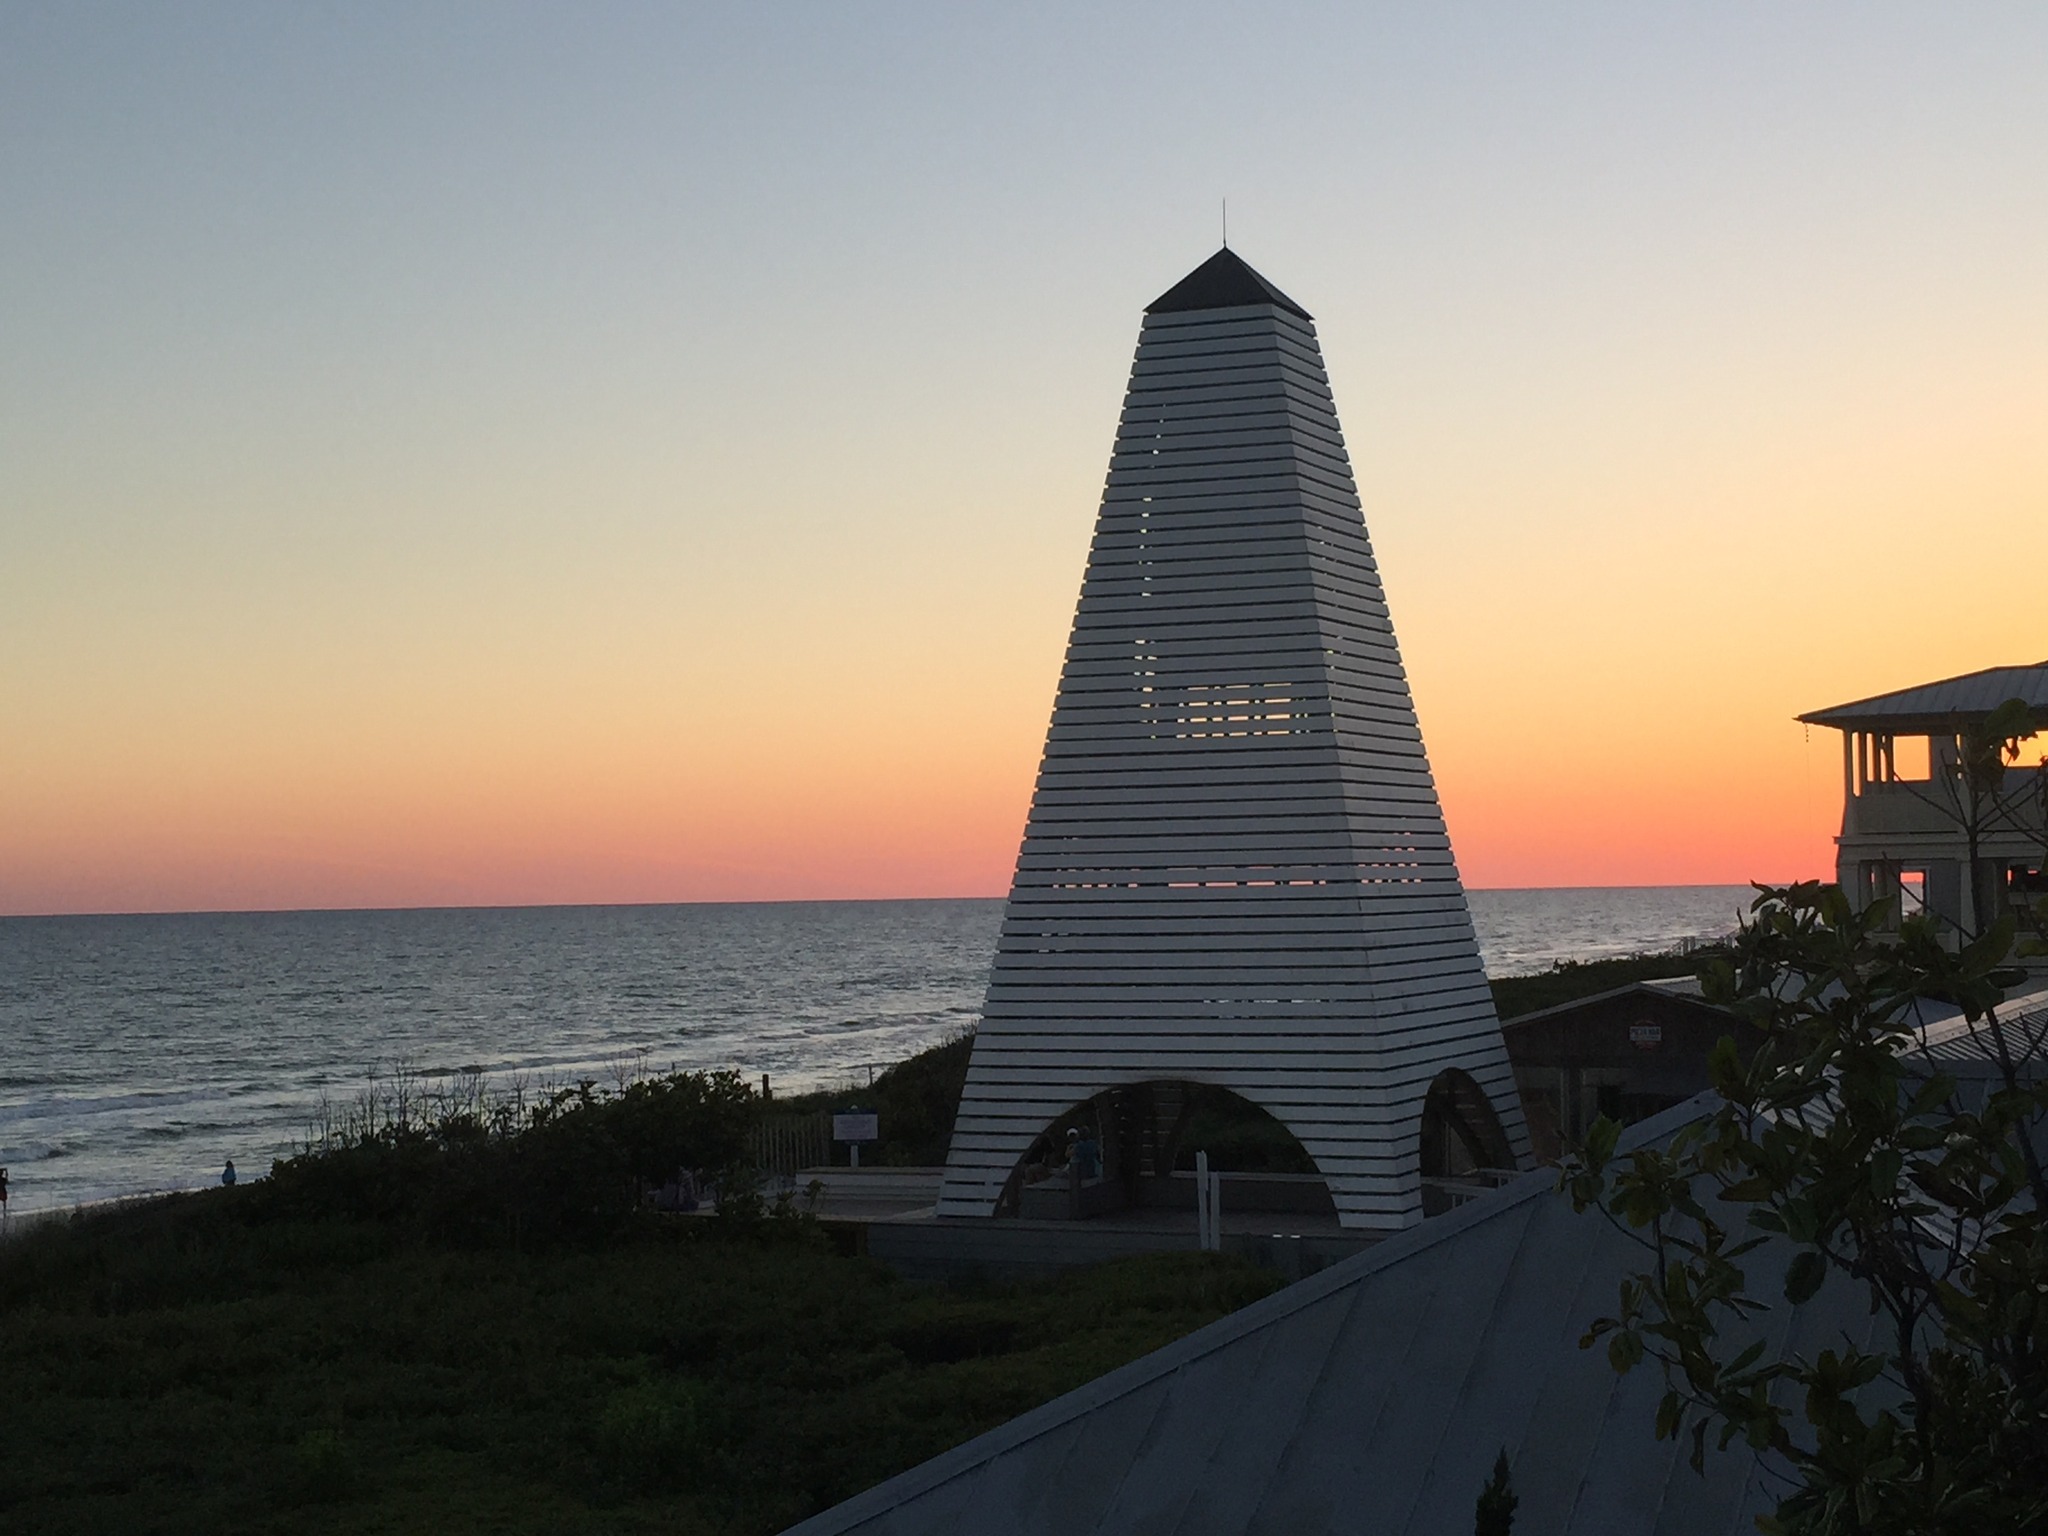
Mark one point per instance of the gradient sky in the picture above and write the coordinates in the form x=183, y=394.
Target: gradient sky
x=498, y=454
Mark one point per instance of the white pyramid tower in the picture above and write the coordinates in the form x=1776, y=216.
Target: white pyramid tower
x=1235, y=870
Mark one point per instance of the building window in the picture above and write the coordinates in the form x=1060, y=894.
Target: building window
x=1912, y=893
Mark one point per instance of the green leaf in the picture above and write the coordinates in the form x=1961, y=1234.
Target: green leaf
x=1624, y=1352
x=1724, y=1067
x=1805, y=1276
x=1669, y=1410
x=1835, y=1137
x=2012, y=721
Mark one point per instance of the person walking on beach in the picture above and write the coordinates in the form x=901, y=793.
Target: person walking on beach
x=227, y=1174
x=3, y=1197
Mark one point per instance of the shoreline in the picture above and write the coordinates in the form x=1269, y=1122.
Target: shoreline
x=817, y=1006
x=19, y=1223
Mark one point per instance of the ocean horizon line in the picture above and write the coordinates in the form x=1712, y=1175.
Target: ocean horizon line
x=144, y=1047
x=759, y=901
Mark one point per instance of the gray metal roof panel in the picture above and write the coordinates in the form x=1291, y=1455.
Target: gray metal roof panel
x=1373, y=1397
x=1950, y=701
x=1368, y=1398
x=1252, y=1428
x=1677, y=986
x=947, y=1506
x=1086, y=1479
x=1571, y=1411
x=1458, y=1450
x=1464, y=1296
x=1182, y=1441
x=1323, y=1467
x=1684, y=988
x=1958, y=1046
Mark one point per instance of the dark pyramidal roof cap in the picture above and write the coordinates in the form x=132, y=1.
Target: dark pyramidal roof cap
x=1224, y=281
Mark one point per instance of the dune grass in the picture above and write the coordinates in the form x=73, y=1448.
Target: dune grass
x=463, y=1320
x=915, y=1101
x=181, y=1368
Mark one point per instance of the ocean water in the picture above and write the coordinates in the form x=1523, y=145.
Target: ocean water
x=137, y=1053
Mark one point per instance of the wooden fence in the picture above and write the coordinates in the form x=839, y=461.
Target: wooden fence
x=782, y=1144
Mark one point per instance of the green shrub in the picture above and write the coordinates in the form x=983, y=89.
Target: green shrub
x=321, y=1468
x=315, y=1377
x=573, y=1164
x=653, y=1434
x=916, y=1100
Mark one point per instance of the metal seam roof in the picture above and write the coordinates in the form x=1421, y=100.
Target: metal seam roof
x=1656, y=988
x=1371, y=1398
x=864, y=1509
x=1949, y=700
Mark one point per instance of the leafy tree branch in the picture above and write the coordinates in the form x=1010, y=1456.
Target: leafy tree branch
x=1843, y=1159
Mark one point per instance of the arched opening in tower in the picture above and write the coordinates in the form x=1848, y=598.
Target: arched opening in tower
x=1134, y=1147
x=1464, y=1149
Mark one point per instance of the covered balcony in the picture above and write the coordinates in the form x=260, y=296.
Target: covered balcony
x=1915, y=825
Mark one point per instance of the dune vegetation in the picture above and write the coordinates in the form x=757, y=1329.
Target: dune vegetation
x=454, y=1311
x=466, y=1326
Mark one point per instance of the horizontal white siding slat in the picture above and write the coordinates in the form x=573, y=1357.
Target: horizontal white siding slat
x=1235, y=868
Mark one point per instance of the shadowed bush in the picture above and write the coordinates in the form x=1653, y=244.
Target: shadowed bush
x=321, y=1469
x=916, y=1100
x=174, y=1368
x=460, y=1163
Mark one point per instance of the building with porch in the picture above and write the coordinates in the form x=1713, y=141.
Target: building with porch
x=1912, y=826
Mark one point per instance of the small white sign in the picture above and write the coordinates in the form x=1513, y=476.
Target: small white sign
x=862, y=1125
x=1646, y=1037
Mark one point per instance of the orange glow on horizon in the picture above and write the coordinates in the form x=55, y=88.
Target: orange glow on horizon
x=659, y=466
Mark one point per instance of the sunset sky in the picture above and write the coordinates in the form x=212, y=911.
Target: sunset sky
x=496, y=454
